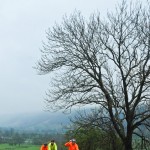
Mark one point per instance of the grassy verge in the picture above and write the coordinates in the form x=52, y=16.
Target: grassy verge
x=21, y=147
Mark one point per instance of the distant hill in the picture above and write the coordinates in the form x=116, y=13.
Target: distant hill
x=44, y=121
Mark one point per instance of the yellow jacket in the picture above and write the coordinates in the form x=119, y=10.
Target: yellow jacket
x=52, y=147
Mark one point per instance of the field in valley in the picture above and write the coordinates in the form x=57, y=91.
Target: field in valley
x=17, y=147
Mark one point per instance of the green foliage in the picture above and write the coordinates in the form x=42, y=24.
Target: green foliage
x=93, y=138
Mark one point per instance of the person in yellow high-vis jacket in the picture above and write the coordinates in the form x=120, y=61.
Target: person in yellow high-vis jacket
x=52, y=145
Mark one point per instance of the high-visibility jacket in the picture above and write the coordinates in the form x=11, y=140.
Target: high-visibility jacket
x=71, y=146
x=52, y=147
x=43, y=147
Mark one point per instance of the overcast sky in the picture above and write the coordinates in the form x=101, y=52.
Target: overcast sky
x=22, y=29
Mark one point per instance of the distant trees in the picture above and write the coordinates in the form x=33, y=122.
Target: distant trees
x=11, y=137
x=105, y=63
x=16, y=137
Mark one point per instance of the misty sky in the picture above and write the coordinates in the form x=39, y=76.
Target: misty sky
x=22, y=29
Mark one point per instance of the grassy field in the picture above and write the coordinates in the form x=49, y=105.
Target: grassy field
x=21, y=147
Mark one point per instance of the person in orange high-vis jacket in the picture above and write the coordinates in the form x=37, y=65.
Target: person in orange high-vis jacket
x=72, y=145
x=44, y=147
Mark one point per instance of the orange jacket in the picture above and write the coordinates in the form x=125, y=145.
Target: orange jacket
x=71, y=146
x=44, y=147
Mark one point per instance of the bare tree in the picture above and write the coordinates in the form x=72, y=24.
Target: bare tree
x=105, y=63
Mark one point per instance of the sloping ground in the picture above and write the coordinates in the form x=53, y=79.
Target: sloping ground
x=35, y=121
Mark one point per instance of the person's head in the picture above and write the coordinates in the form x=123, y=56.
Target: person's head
x=73, y=141
x=45, y=144
x=52, y=142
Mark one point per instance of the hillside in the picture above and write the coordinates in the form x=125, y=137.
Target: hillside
x=43, y=121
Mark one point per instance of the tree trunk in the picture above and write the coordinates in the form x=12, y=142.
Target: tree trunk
x=128, y=143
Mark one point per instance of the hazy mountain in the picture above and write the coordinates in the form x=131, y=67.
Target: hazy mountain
x=35, y=121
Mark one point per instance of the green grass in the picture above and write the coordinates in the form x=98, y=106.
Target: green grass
x=21, y=147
